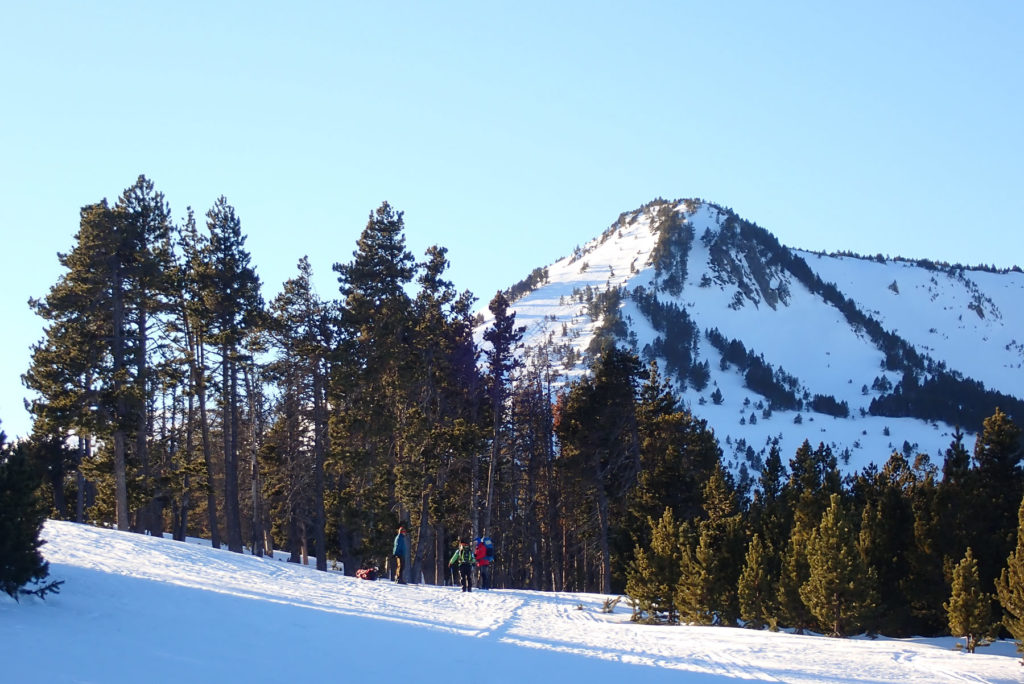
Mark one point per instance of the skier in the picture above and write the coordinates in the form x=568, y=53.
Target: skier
x=463, y=561
x=400, y=551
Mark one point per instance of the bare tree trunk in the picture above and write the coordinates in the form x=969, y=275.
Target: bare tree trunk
x=84, y=445
x=422, y=537
x=474, y=489
x=199, y=372
x=303, y=548
x=231, y=507
x=605, y=574
x=181, y=523
x=492, y=466
x=146, y=521
x=117, y=352
x=120, y=481
x=440, y=559
x=256, y=486
x=320, y=449
x=556, y=544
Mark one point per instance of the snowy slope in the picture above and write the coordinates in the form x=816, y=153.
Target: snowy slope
x=139, y=609
x=972, y=321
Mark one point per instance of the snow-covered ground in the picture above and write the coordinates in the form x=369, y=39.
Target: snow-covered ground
x=140, y=609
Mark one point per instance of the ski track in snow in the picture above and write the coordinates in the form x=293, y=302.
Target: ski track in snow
x=135, y=608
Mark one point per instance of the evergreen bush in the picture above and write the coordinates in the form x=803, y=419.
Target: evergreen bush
x=21, y=520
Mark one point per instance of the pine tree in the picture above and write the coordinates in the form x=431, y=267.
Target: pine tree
x=65, y=374
x=192, y=324
x=503, y=337
x=770, y=519
x=839, y=589
x=678, y=452
x=1010, y=587
x=953, y=514
x=756, y=591
x=795, y=572
x=814, y=477
x=720, y=544
x=887, y=543
x=655, y=572
x=955, y=503
x=925, y=585
x=145, y=224
x=231, y=293
x=93, y=370
x=706, y=592
x=769, y=513
x=1000, y=485
x=369, y=398
x=969, y=608
x=442, y=432
x=79, y=368
x=21, y=520
x=596, y=426
x=302, y=330
x=693, y=591
x=534, y=435
x=192, y=320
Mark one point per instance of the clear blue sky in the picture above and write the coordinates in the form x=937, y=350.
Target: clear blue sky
x=508, y=135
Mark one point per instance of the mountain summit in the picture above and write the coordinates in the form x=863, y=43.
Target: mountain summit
x=765, y=342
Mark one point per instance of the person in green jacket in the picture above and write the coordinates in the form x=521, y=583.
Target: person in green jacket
x=463, y=561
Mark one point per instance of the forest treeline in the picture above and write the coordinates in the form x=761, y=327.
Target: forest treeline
x=168, y=396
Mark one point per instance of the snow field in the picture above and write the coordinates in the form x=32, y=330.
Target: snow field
x=135, y=608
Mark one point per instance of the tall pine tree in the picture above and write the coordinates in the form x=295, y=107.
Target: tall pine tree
x=302, y=329
x=597, y=428
x=371, y=369
x=93, y=369
x=230, y=291
x=999, y=487
x=503, y=336
x=839, y=590
x=756, y=590
x=814, y=478
x=969, y=607
x=1010, y=586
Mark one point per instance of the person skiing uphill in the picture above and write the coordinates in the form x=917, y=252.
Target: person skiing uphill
x=463, y=561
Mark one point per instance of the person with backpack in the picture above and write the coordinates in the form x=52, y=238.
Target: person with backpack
x=463, y=561
x=400, y=551
x=484, y=557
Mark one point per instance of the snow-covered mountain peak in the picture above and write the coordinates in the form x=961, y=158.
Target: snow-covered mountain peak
x=868, y=355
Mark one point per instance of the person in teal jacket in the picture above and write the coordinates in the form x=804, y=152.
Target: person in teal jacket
x=400, y=551
x=463, y=561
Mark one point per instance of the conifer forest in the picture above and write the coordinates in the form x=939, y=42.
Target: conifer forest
x=169, y=397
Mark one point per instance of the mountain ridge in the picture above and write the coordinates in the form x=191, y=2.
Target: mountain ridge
x=752, y=331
